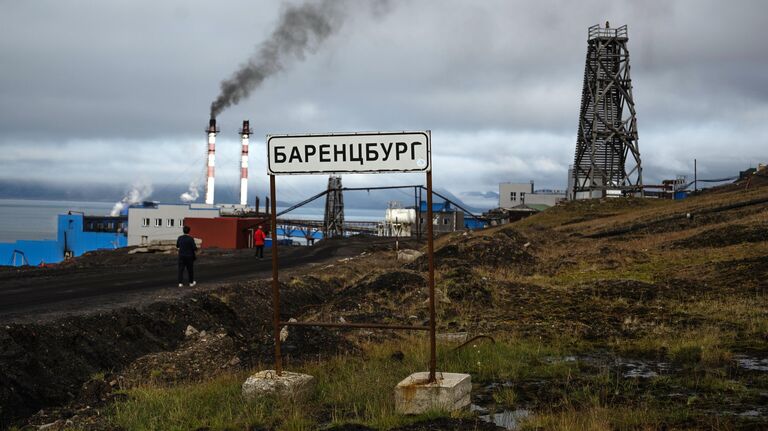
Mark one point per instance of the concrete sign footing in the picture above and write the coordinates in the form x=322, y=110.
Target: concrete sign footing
x=451, y=391
x=287, y=384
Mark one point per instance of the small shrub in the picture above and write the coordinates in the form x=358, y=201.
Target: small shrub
x=686, y=355
x=506, y=397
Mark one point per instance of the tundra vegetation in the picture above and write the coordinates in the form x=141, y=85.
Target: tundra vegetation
x=633, y=314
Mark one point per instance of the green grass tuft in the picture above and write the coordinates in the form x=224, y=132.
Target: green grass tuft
x=349, y=389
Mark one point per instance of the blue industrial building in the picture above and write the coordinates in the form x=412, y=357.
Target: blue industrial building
x=448, y=218
x=299, y=232
x=77, y=234
x=28, y=252
x=475, y=223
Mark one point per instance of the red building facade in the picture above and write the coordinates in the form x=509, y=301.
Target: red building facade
x=226, y=232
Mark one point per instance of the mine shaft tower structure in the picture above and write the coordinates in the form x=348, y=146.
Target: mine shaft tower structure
x=333, y=221
x=607, y=160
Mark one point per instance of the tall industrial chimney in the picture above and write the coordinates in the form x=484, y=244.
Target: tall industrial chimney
x=245, y=132
x=209, y=183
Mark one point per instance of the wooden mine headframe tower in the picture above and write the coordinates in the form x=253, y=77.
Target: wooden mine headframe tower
x=333, y=221
x=607, y=160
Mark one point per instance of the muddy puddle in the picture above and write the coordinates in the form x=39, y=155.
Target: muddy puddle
x=751, y=363
x=642, y=369
x=647, y=368
x=507, y=419
x=511, y=417
x=487, y=410
x=627, y=367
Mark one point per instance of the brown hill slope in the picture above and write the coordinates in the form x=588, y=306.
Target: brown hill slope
x=597, y=270
x=682, y=285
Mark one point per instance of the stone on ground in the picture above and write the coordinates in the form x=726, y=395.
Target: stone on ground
x=190, y=331
x=440, y=297
x=267, y=382
x=407, y=255
x=453, y=337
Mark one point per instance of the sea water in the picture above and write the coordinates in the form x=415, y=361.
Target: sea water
x=35, y=219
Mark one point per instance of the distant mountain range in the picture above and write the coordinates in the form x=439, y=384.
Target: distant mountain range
x=169, y=193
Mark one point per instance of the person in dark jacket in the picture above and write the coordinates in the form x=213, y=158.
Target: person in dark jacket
x=258, y=242
x=187, y=248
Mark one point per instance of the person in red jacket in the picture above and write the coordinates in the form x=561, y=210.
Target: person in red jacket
x=258, y=242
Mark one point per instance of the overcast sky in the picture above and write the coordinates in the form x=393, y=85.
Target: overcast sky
x=119, y=92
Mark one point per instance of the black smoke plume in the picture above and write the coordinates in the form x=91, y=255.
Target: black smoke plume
x=301, y=29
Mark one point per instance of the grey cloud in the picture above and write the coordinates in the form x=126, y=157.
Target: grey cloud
x=128, y=86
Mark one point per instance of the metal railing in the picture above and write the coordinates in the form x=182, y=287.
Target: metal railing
x=596, y=31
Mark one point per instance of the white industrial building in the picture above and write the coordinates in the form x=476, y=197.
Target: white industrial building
x=515, y=194
x=154, y=221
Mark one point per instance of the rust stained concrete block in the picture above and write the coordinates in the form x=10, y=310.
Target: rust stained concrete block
x=451, y=392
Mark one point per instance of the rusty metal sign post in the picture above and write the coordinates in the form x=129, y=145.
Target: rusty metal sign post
x=338, y=153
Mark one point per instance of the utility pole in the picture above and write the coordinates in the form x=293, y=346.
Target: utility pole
x=695, y=177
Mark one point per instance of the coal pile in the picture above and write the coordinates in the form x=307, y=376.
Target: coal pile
x=504, y=248
x=725, y=236
x=46, y=364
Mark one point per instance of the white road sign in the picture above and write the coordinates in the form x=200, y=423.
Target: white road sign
x=349, y=153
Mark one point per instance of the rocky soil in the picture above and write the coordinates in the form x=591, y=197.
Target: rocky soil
x=619, y=276
x=48, y=364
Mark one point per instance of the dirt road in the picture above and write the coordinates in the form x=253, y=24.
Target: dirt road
x=106, y=280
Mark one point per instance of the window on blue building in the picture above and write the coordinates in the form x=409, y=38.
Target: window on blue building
x=103, y=223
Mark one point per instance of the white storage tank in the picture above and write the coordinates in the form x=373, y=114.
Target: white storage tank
x=400, y=215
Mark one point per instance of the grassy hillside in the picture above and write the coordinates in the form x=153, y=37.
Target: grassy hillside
x=612, y=314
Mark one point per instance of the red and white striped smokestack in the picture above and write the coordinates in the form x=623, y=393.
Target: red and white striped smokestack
x=245, y=133
x=209, y=182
